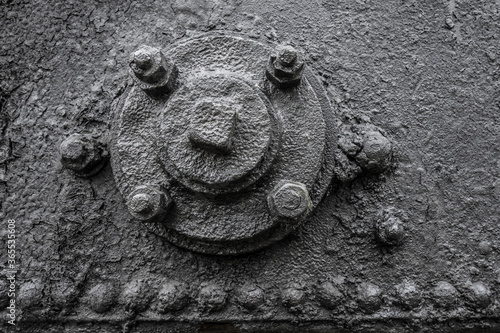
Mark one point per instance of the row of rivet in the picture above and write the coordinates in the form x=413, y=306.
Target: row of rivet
x=138, y=295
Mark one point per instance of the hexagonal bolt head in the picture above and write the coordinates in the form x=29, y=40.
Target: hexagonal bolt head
x=285, y=70
x=290, y=200
x=154, y=73
x=389, y=228
x=148, y=204
x=83, y=155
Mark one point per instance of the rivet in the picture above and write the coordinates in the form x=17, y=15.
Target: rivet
x=389, y=228
x=102, y=297
x=479, y=294
x=173, y=296
x=293, y=297
x=329, y=295
x=30, y=295
x=63, y=294
x=485, y=247
x=376, y=153
x=369, y=297
x=250, y=296
x=212, y=298
x=136, y=296
x=445, y=295
x=83, y=155
x=407, y=295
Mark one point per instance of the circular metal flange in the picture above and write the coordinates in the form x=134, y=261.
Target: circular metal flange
x=219, y=133
x=222, y=144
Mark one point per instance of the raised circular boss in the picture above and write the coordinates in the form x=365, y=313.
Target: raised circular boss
x=232, y=141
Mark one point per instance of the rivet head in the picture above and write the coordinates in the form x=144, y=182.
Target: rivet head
x=173, y=296
x=485, y=247
x=408, y=295
x=212, y=298
x=136, y=296
x=250, y=297
x=389, y=228
x=148, y=203
x=290, y=200
x=30, y=295
x=83, y=155
x=445, y=295
x=369, y=297
x=63, y=294
x=479, y=294
x=293, y=297
x=102, y=297
x=329, y=295
x=376, y=153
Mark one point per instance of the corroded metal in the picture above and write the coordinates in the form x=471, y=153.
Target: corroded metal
x=222, y=143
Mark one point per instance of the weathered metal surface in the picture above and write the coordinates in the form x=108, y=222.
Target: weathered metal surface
x=394, y=228
x=224, y=144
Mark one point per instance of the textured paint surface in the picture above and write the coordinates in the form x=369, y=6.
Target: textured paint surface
x=424, y=72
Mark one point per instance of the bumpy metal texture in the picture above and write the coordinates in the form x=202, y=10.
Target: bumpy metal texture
x=221, y=142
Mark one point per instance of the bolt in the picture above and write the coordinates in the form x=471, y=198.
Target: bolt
x=285, y=70
x=445, y=295
x=290, y=200
x=102, y=297
x=329, y=295
x=369, y=297
x=141, y=203
x=173, y=296
x=376, y=153
x=212, y=298
x=148, y=203
x=83, y=155
x=407, y=294
x=250, y=297
x=152, y=71
x=287, y=56
x=141, y=60
x=389, y=229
